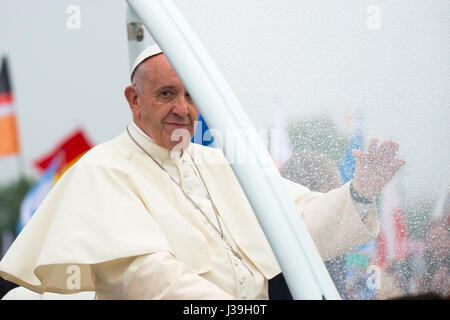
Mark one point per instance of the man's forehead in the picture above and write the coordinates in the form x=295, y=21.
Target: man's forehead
x=158, y=66
x=158, y=72
x=157, y=62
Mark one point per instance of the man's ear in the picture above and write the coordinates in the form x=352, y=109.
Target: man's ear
x=131, y=96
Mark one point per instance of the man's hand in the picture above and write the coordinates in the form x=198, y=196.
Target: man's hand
x=375, y=168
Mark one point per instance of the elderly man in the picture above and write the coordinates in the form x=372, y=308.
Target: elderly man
x=143, y=217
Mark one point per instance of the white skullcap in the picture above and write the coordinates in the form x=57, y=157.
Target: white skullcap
x=151, y=51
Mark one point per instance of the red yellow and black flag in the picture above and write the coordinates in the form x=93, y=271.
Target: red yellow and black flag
x=9, y=139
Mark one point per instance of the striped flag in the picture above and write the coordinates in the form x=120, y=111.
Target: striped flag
x=53, y=165
x=347, y=165
x=38, y=192
x=71, y=148
x=393, y=236
x=347, y=171
x=442, y=205
x=9, y=139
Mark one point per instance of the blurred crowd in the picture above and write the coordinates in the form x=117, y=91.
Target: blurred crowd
x=423, y=271
x=424, y=274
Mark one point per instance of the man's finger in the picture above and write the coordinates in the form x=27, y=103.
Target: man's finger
x=400, y=162
x=372, y=145
x=388, y=149
x=396, y=164
x=372, y=148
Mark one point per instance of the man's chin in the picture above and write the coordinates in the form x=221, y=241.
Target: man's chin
x=180, y=139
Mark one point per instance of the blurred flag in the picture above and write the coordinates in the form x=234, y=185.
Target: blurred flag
x=71, y=149
x=280, y=145
x=357, y=261
x=442, y=206
x=38, y=192
x=202, y=135
x=9, y=139
x=54, y=164
x=347, y=165
x=7, y=240
x=393, y=237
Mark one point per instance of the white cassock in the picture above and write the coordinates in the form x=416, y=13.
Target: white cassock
x=117, y=224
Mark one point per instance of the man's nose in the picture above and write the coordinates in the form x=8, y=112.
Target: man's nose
x=181, y=107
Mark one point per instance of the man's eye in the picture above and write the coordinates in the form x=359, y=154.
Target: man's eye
x=166, y=94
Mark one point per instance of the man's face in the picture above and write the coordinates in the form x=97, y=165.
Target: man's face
x=161, y=104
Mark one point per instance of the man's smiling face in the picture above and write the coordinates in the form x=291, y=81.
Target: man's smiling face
x=160, y=103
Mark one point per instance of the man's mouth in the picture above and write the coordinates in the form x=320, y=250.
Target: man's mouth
x=177, y=124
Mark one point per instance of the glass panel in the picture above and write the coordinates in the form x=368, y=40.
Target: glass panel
x=334, y=74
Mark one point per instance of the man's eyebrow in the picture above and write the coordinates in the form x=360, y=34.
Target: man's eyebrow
x=165, y=88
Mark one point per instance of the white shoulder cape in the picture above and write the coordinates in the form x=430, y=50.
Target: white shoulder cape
x=116, y=203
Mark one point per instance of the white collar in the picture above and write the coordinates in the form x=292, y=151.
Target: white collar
x=151, y=147
x=140, y=131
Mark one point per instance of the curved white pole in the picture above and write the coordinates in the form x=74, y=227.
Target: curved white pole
x=302, y=266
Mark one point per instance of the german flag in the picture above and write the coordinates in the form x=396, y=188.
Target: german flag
x=9, y=140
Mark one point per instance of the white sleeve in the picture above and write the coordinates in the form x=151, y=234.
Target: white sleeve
x=333, y=219
x=156, y=276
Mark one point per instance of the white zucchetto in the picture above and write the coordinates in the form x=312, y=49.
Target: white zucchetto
x=151, y=51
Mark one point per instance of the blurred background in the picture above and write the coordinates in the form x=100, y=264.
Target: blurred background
x=324, y=77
